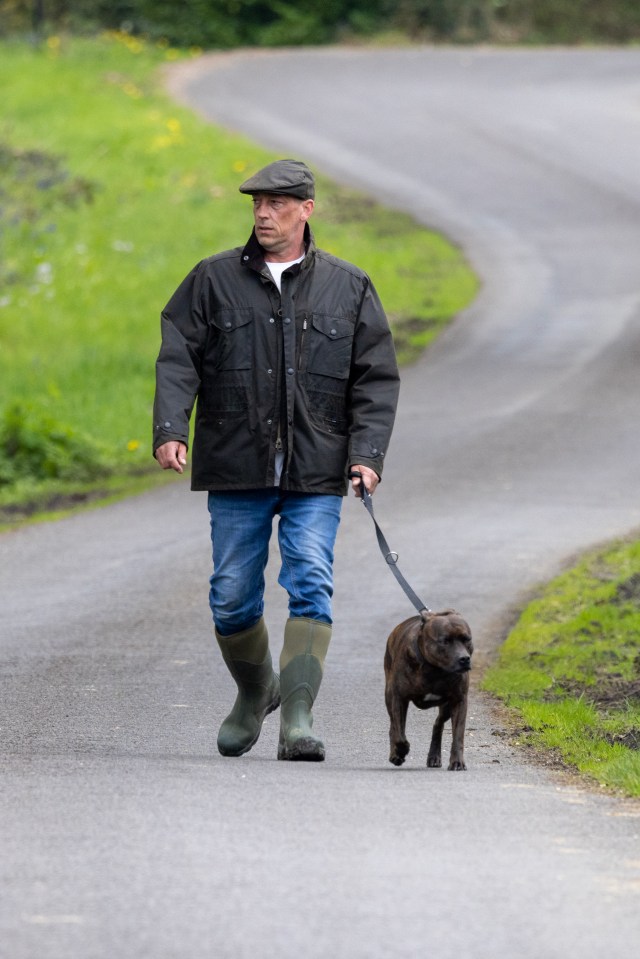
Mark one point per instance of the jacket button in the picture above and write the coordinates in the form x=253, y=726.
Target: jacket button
x=245, y=258
x=167, y=425
x=227, y=325
x=269, y=422
x=271, y=319
x=269, y=372
x=374, y=451
x=287, y=319
x=290, y=371
x=333, y=332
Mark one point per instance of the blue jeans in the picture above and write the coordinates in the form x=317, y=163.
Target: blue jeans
x=240, y=532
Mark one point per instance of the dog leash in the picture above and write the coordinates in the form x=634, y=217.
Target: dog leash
x=390, y=556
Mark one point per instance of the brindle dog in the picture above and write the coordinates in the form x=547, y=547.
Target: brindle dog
x=427, y=663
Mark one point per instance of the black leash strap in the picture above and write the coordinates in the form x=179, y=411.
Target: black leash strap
x=391, y=557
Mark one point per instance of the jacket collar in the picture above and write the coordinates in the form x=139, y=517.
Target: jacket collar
x=253, y=254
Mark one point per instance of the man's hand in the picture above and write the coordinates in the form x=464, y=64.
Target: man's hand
x=370, y=477
x=172, y=456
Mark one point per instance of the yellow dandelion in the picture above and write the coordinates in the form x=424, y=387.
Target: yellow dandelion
x=133, y=445
x=161, y=142
x=172, y=54
x=239, y=166
x=173, y=125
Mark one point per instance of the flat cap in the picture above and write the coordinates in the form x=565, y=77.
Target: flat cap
x=291, y=177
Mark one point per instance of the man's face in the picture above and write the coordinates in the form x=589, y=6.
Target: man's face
x=279, y=224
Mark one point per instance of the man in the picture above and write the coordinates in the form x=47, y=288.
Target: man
x=289, y=354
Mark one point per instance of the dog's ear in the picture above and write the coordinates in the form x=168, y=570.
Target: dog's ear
x=425, y=630
x=420, y=625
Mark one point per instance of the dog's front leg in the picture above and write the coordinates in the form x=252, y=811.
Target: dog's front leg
x=434, y=759
x=397, y=708
x=458, y=721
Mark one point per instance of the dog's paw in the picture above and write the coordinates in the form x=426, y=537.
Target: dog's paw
x=457, y=764
x=434, y=762
x=398, y=753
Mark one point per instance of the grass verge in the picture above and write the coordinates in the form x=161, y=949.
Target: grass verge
x=570, y=670
x=109, y=194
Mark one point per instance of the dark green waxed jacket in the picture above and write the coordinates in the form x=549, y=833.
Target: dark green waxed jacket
x=311, y=371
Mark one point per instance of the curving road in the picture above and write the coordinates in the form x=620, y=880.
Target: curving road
x=123, y=832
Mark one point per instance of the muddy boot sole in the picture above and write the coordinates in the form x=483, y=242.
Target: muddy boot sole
x=306, y=749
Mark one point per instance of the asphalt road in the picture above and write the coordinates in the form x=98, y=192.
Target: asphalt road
x=123, y=833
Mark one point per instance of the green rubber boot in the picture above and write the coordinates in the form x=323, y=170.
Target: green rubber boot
x=249, y=661
x=301, y=666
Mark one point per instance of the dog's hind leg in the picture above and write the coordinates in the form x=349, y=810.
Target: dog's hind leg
x=397, y=708
x=434, y=759
x=458, y=720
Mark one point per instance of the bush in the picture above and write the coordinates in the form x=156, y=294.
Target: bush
x=35, y=447
x=203, y=23
x=223, y=24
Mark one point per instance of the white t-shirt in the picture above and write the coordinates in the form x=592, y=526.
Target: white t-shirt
x=276, y=270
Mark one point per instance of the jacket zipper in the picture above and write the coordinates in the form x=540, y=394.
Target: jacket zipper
x=304, y=330
x=279, y=384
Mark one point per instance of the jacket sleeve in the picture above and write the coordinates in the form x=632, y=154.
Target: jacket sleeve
x=184, y=332
x=373, y=386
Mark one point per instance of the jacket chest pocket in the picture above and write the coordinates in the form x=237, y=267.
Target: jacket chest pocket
x=330, y=342
x=232, y=347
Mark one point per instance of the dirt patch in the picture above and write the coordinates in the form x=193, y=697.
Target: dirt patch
x=629, y=591
x=57, y=502
x=408, y=334
x=630, y=739
x=614, y=693
x=608, y=692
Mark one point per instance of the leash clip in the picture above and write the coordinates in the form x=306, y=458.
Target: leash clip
x=392, y=557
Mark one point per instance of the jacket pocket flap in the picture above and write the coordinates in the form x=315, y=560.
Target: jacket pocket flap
x=335, y=327
x=229, y=320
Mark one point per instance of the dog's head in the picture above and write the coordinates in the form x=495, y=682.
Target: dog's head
x=445, y=640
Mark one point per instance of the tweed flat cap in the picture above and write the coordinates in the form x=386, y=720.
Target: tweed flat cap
x=291, y=177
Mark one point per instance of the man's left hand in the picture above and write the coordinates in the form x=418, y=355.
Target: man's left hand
x=370, y=477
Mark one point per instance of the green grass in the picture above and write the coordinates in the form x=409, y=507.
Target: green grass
x=570, y=669
x=109, y=194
